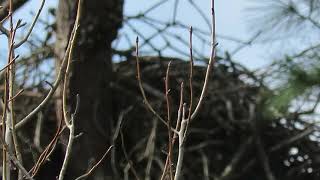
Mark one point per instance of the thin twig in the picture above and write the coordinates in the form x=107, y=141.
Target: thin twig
x=150, y=148
x=38, y=131
x=11, y=135
x=67, y=156
x=70, y=123
x=86, y=175
x=15, y=160
x=60, y=75
x=178, y=123
x=131, y=167
x=3, y=29
x=167, y=90
x=16, y=95
x=31, y=27
x=210, y=64
x=168, y=163
x=48, y=150
x=71, y=128
x=179, y=112
x=191, y=85
x=181, y=149
x=145, y=99
x=9, y=64
x=4, y=19
x=185, y=120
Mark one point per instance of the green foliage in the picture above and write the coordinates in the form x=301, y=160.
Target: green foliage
x=299, y=82
x=298, y=73
x=278, y=17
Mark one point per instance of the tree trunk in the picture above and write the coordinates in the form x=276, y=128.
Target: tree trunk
x=90, y=78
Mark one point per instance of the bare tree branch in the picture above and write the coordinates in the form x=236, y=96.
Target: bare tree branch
x=5, y=6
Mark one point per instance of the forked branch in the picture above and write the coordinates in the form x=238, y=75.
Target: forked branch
x=185, y=114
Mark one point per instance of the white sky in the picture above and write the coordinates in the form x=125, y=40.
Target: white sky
x=231, y=21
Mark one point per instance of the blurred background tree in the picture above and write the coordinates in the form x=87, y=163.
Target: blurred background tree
x=291, y=28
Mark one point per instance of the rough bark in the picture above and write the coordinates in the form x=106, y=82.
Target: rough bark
x=90, y=77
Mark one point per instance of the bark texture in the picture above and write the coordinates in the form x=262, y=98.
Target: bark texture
x=90, y=77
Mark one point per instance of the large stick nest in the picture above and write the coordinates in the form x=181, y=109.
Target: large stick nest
x=226, y=141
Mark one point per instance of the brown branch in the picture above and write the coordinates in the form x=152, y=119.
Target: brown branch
x=185, y=120
x=190, y=84
x=86, y=175
x=48, y=150
x=133, y=170
x=169, y=155
x=9, y=64
x=70, y=121
x=5, y=6
x=179, y=112
x=210, y=64
x=15, y=160
x=181, y=150
x=145, y=99
x=31, y=27
x=167, y=90
x=60, y=75
x=150, y=148
x=64, y=71
x=11, y=135
x=17, y=94
x=179, y=117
